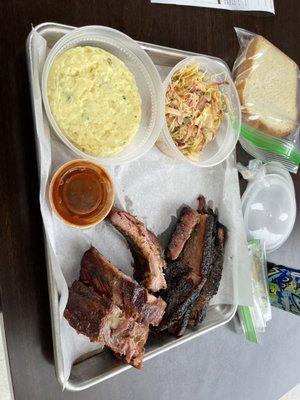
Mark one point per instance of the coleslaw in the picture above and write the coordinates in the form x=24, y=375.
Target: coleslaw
x=194, y=108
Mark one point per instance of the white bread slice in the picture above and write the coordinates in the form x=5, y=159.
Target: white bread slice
x=267, y=83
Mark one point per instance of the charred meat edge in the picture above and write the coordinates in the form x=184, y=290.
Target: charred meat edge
x=213, y=280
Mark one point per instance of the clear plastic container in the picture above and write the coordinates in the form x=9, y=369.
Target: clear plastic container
x=146, y=76
x=81, y=193
x=268, y=204
x=227, y=136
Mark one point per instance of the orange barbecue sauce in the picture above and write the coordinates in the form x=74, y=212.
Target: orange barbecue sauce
x=81, y=193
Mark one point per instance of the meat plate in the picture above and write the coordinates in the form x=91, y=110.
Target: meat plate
x=102, y=366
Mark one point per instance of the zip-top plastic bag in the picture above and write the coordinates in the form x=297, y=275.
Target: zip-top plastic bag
x=268, y=84
x=254, y=319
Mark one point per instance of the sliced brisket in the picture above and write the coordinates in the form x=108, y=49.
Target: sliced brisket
x=213, y=279
x=197, y=244
x=195, y=249
x=188, y=219
x=180, y=317
x=179, y=286
x=147, y=253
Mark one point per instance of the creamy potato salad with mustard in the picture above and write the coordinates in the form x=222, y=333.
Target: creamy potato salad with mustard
x=94, y=99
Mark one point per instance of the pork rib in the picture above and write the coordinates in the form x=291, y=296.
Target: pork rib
x=105, y=278
x=88, y=313
x=97, y=317
x=147, y=253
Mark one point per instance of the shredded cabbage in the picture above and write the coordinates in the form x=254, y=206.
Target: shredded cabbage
x=194, y=109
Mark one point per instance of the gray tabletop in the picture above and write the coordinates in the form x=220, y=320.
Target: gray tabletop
x=221, y=365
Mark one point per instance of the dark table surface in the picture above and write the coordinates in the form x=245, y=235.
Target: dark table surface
x=22, y=259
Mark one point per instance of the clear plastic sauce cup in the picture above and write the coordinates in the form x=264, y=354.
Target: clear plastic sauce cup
x=81, y=193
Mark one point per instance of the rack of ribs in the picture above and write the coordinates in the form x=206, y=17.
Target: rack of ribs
x=112, y=309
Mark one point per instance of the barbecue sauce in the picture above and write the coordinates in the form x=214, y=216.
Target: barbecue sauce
x=81, y=193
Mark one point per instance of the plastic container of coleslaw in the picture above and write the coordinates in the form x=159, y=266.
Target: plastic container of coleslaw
x=226, y=137
x=147, y=79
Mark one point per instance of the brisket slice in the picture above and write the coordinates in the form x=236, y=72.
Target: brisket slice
x=147, y=253
x=196, y=253
x=133, y=299
x=208, y=256
x=178, y=289
x=213, y=279
x=188, y=219
x=97, y=317
x=181, y=316
x=202, y=207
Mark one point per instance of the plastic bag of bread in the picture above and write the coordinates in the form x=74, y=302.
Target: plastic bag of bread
x=267, y=81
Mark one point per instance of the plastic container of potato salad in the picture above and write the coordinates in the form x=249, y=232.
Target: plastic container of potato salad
x=226, y=137
x=147, y=80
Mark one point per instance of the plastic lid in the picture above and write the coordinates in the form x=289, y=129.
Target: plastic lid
x=269, y=206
